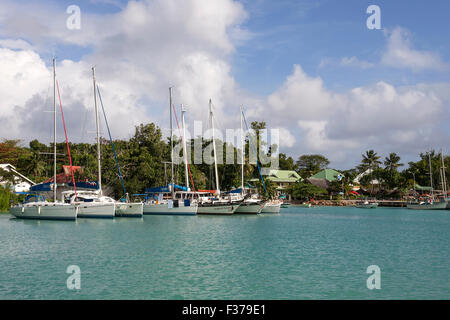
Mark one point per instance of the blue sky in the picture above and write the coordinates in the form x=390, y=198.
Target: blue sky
x=310, y=68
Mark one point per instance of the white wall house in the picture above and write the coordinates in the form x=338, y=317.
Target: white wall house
x=21, y=183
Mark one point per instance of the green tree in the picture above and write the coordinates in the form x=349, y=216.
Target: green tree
x=305, y=191
x=310, y=164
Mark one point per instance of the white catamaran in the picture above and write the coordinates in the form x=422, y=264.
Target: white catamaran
x=217, y=205
x=249, y=205
x=124, y=207
x=93, y=204
x=35, y=207
x=166, y=200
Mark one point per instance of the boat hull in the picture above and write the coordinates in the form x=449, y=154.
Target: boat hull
x=249, y=208
x=163, y=209
x=45, y=212
x=367, y=206
x=130, y=210
x=217, y=209
x=271, y=208
x=96, y=210
x=434, y=206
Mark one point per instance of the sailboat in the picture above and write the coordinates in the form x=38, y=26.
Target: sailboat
x=441, y=204
x=167, y=200
x=270, y=206
x=249, y=205
x=124, y=208
x=93, y=204
x=35, y=206
x=216, y=204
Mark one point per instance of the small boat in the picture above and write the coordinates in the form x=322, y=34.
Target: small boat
x=123, y=208
x=129, y=209
x=440, y=205
x=305, y=205
x=271, y=207
x=35, y=206
x=431, y=204
x=182, y=204
x=285, y=205
x=250, y=206
x=367, y=205
x=91, y=204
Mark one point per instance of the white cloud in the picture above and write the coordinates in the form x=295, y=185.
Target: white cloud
x=403, y=119
x=400, y=54
x=355, y=62
x=150, y=45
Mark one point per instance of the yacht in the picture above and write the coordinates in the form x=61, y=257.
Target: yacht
x=35, y=206
x=91, y=204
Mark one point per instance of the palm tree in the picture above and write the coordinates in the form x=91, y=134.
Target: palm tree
x=370, y=161
x=391, y=164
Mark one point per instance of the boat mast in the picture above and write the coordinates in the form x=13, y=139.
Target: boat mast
x=431, y=177
x=54, y=129
x=242, y=153
x=171, y=142
x=183, y=110
x=98, y=134
x=214, y=147
x=444, y=180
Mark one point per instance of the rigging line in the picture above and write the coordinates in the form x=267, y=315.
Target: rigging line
x=112, y=144
x=67, y=142
x=257, y=161
x=179, y=131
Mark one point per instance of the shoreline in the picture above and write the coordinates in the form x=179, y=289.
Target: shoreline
x=349, y=203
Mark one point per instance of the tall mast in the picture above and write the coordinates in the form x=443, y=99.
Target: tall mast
x=54, y=130
x=183, y=110
x=171, y=142
x=214, y=147
x=242, y=153
x=98, y=134
x=431, y=176
x=444, y=180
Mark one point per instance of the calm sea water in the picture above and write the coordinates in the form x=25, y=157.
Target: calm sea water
x=302, y=253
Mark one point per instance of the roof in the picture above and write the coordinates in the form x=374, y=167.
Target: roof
x=362, y=174
x=322, y=183
x=9, y=167
x=327, y=174
x=281, y=175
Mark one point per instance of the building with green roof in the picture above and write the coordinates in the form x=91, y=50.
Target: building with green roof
x=282, y=178
x=327, y=174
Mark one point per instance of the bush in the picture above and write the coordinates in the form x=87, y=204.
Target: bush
x=5, y=197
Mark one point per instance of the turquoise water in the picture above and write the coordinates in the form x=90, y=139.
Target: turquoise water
x=302, y=253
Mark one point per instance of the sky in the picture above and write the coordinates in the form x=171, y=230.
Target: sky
x=311, y=69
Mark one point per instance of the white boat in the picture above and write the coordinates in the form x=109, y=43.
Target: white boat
x=272, y=207
x=250, y=206
x=170, y=207
x=366, y=205
x=40, y=209
x=124, y=208
x=129, y=209
x=218, y=207
x=91, y=204
x=443, y=203
x=440, y=205
x=35, y=206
